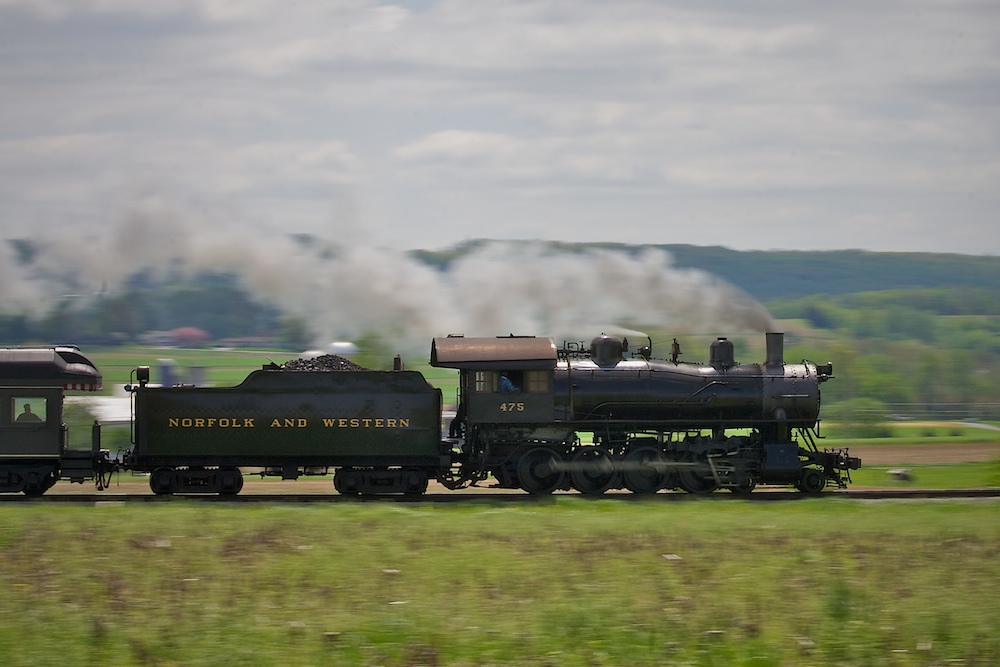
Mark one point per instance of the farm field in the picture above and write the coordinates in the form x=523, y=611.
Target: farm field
x=564, y=581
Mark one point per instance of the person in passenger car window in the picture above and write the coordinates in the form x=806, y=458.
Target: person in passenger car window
x=28, y=415
x=506, y=386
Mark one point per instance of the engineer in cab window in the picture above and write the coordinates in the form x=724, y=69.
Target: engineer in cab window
x=27, y=415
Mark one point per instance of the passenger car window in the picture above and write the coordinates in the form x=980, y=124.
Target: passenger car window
x=28, y=409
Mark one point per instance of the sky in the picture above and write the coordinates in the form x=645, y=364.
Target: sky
x=778, y=124
x=307, y=146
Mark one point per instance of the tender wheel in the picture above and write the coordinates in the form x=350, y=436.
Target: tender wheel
x=592, y=471
x=35, y=486
x=163, y=481
x=813, y=481
x=540, y=471
x=231, y=481
x=13, y=483
x=696, y=477
x=644, y=470
x=346, y=482
x=414, y=482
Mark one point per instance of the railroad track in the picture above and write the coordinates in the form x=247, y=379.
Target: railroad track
x=501, y=497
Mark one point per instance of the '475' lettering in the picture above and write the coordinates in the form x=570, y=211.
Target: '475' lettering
x=512, y=407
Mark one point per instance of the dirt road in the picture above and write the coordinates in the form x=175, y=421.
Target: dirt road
x=925, y=454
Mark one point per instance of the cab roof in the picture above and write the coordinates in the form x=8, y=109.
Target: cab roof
x=509, y=352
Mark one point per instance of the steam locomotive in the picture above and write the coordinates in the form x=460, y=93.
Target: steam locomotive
x=543, y=419
x=530, y=416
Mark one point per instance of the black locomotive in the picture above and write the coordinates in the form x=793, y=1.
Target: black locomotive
x=529, y=415
x=543, y=419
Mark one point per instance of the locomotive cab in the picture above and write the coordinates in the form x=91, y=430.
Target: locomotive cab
x=501, y=380
x=509, y=395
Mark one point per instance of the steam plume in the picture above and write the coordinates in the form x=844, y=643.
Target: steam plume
x=345, y=291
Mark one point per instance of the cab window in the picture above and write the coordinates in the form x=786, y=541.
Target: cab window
x=537, y=382
x=486, y=382
x=513, y=381
x=28, y=409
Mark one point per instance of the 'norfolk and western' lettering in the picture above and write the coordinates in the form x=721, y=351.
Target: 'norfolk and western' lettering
x=210, y=422
x=355, y=422
x=288, y=422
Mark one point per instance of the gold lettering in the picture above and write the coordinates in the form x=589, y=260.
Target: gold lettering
x=287, y=422
x=355, y=422
x=227, y=422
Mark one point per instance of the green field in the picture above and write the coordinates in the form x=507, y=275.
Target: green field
x=222, y=367
x=923, y=476
x=563, y=581
x=928, y=433
x=227, y=368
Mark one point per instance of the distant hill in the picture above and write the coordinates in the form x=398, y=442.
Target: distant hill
x=788, y=274
x=791, y=274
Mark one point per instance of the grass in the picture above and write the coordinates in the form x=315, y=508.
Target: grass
x=565, y=581
x=951, y=476
x=928, y=433
x=222, y=367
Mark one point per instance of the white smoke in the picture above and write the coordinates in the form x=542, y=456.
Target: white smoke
x=536, y=287
x=345, y=291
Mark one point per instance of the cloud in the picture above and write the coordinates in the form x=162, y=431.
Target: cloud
x=424, y=123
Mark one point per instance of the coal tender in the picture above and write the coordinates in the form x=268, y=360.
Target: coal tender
x=377, y=431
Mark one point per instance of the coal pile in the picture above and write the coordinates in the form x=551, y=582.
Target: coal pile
x=322, y=363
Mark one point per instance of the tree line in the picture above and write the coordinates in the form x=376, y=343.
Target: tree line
x=931, y=353
x=213, y=302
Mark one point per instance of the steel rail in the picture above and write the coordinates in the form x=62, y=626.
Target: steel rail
x=504, y=497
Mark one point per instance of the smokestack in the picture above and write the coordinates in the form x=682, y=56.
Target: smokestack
x=775, y=349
